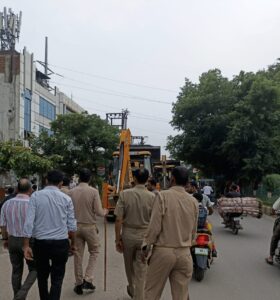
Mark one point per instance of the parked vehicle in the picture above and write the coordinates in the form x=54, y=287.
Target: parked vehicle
x=202, y=254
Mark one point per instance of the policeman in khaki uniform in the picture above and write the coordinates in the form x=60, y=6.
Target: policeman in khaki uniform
x=133, y=212
x=171, y=231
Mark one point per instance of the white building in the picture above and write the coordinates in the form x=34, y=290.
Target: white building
x=27, y=105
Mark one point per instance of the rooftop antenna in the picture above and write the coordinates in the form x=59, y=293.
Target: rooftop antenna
x=10, y=25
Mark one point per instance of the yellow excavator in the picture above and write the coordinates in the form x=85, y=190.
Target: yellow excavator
x=124, y=162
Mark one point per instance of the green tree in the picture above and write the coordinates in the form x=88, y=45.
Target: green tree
x=24, y=161
x=229, y=127
x=201, y=116
x=83, y=140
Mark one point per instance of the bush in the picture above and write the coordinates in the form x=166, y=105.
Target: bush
x=271, y=182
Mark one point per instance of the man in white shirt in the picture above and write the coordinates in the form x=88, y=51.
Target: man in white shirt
x=276, y=233
x=207, y=190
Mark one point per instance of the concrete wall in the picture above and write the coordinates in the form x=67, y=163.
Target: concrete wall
x=18, y=74
x=9, y=95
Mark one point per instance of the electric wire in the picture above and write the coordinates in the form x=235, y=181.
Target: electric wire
x=113, y=80
x=113, y=94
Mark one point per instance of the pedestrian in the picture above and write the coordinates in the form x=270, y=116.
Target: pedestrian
x=152, y=185
x=133, y=212
x=276, y=232
x=12, y=221
x=171, y=231
x=65, y=185
x=34, y=187
x=87, y=206
x=11, y=193
x=50, y=221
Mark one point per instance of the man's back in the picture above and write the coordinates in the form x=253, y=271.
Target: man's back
x=181, y=211
x=50, y=213
x=13, y=214
x=207, y=190
x=135, y=206
x=87, y=203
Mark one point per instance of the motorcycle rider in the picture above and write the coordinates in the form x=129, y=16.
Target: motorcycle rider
x=276, y=232
x=192, y=188
x=233, y=193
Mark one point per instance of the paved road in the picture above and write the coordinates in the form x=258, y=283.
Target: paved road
x=239, y=272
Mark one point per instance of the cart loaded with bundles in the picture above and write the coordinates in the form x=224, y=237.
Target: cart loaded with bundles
x=233, y=209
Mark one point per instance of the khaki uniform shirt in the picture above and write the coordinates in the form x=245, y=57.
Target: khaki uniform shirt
x=65, y=190
x=87, y=203
x=135, y=206
x=174, y=219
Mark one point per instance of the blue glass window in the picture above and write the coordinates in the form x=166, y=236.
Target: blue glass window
x=47, y=109
x=27, y=110
x=42, y=128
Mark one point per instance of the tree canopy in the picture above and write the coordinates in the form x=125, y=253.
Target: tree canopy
x=229, y=127
x=83, y=140
x=24, y=161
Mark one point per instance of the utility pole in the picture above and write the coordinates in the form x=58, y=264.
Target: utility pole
x=111, y=118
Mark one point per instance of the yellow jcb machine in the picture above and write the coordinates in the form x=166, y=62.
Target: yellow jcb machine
x=124, y=162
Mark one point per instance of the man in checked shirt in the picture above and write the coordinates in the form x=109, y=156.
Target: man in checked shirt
x=12, y=219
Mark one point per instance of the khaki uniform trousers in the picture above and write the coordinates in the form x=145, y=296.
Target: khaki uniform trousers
x=173, y=263
x=134, y=267
x=86, y=233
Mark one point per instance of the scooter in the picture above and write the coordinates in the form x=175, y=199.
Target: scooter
x=233, y=221
x=202, y=254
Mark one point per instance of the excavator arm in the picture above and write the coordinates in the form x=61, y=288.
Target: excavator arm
x=124, y=178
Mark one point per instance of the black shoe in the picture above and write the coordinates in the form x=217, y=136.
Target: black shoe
x=129, y=292
x=214, y=253
x=88, y=286
x=78, y=289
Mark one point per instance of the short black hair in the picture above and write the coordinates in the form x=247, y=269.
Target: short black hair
x=141, y=175
x=24, y=185
x=180, y=175
x=198, y=197
x=10, y=190
x=66, y=181
x=54, y=177
x=152, y=181
x=34, y=187
x=233, y=187
x=85, y=175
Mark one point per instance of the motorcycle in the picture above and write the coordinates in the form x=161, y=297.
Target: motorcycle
x=233, y=221
x=202, y=254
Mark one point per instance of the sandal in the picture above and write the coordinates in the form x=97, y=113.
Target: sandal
x=268, y=261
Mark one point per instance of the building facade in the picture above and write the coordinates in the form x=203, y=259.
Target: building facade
x=27, y=103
